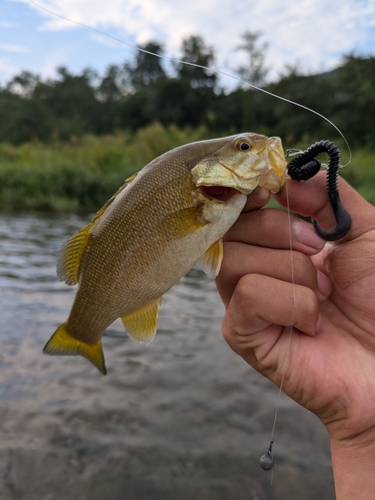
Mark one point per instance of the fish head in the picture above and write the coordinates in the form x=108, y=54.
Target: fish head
x=243, y=162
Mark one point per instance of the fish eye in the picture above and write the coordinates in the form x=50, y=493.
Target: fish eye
x=242, y=145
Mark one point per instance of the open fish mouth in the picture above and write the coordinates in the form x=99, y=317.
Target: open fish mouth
x=219, y=193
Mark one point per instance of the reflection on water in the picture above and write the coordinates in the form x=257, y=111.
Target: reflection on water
x=181, y=418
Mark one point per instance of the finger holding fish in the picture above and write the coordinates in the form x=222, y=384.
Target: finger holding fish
x=243, y=259
x=257, y=199
x=261, y=242
x=274, y=228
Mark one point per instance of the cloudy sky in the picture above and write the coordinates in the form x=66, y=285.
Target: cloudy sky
x=312, y=34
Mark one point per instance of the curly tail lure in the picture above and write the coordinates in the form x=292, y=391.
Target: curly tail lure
x=305, y=165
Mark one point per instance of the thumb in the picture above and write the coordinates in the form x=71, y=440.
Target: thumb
x=310, y=198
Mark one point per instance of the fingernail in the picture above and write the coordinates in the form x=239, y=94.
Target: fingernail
x=324, y=284
x=305, y=234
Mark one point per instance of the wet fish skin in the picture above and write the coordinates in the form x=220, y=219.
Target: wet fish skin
x=154, y=229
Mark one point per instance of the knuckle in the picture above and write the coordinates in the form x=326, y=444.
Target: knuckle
x=246, y=288
x=229, y=332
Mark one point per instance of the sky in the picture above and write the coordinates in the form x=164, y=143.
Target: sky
x=309, y=34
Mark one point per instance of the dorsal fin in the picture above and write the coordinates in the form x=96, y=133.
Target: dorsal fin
x=70, y=256
x=71, y=252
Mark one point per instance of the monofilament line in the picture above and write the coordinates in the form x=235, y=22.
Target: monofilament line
x=270, y=448
x=212, y=70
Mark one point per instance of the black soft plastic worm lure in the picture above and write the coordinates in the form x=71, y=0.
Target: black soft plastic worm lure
x=305, y=165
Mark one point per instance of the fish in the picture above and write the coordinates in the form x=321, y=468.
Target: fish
x=165, y=219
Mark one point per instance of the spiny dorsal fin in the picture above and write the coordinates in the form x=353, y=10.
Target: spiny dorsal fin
x=141, y=325
x=63, y=344
x=211, y=260
x=71, y=252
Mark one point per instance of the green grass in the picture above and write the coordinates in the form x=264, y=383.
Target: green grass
x=84, y=173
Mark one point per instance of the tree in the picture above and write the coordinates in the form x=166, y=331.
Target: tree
x=110, y=88
x=23, y=84
x=72, y=100
x=195, y=51
x=147, y=68
x=19, y=119
x=354, y=98
x=255, y=71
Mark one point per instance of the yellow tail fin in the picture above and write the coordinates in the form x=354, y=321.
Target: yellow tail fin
x=63, y=344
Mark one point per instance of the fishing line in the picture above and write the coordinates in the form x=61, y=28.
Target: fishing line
x=266, y=460
x=212, y=70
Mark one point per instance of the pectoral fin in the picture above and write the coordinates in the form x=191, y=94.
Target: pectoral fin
x=72, y=251
x=141, y=325
x=210, y=262
x=63, y=344
x=182, y=223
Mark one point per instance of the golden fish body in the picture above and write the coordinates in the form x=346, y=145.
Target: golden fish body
x=165, y=219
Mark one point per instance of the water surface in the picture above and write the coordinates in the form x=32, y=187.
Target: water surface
x=182, y=418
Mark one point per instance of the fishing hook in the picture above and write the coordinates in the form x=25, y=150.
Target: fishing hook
x=305, y=165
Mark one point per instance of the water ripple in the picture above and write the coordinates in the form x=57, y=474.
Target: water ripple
x=185, y=402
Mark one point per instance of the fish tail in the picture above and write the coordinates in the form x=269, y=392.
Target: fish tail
x=63, y=344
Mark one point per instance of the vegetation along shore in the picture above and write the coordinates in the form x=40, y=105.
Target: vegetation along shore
x=68, y=144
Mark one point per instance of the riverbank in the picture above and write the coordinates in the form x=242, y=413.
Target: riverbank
x=83, y=174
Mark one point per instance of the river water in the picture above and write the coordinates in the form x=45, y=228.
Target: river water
x=183, y=418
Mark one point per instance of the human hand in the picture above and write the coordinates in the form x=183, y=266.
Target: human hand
x=328, y=358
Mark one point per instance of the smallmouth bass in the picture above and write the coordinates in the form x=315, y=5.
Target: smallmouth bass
x=160, y=223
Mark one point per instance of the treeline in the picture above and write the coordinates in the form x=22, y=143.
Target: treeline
x=134, y=95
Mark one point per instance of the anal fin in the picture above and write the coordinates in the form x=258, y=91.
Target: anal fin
x=63, y=344
x=141, y=324
x=211, y=260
